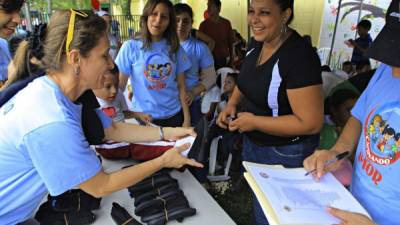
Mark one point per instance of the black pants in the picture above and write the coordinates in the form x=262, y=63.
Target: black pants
x=173, y=121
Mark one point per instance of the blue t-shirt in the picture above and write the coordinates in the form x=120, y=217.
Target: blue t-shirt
x=5, y=59
x=358, y=55
x=42, y=149
x=153, y=75
x=200, y=57
x=376, y=176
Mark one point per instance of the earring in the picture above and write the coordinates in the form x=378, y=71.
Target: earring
x=77, y=71
x=283, y=29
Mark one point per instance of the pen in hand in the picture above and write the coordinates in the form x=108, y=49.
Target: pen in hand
x=327, y=163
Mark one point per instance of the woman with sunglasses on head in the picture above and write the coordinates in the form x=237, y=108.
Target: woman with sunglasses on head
x=279, y=90
x=201, y=75
x=156, y=63
x=46, y=151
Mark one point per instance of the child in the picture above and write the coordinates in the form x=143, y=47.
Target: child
x=156, y=65
x=229, y=85
x=201, y=76
x=338, y=106
x=362, y=43
x=112, y=103
x=229, y=140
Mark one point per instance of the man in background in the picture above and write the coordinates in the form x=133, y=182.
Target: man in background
x=220, y=30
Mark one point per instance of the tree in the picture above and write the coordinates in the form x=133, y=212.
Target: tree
x=42, y=5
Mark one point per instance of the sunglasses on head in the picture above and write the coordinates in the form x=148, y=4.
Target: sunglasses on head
x=71, y=28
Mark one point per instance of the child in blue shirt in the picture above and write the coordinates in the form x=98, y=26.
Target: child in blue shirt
x=201, y=76
x=156, y=65
x=362, y=43
x=9, y=20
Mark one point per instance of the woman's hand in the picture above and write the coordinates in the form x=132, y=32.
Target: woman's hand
x=189, y=97
x=317, y=161
x=244, y=122
x=143, y=117
x=223, y=118
x=175, y=133
x=173, y=158
x=350, y=218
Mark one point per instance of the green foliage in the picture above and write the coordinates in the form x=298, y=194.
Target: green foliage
x=42, y=5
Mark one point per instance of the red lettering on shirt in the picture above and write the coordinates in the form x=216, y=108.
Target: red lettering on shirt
x=157, y=86
x=369, y=169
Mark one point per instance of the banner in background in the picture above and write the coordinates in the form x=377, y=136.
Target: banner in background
x=372, y=10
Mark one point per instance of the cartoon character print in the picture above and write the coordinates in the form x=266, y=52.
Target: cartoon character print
x=157, y=70
x=383, y=135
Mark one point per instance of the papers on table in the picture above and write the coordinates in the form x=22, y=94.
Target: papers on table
x=289, y=197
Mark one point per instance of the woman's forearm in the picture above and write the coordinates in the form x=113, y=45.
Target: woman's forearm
x=182, y=98
x=127, y=132
x=103, y=184
x=208, y=77
x=285, y=126
x=235, y=97
x=198, y=90
x=348, y=139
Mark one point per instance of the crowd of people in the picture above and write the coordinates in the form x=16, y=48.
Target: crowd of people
x=274, y=104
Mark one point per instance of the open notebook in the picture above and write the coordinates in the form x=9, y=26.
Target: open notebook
x=287, y=197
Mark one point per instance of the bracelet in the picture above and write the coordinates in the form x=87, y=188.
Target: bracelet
x=161, y=133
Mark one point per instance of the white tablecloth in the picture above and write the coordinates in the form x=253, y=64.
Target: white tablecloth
x=208, y=210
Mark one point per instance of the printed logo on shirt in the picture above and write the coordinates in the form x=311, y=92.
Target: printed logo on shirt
x=158, y=68
x=110, y=111
x=383, y=134
x=382, y=140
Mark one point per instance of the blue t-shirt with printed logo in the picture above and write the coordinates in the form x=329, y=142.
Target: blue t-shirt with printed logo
x=376, y=176
x=200, y=57
x=153, y=75
x=5, y=59
x=42, y=149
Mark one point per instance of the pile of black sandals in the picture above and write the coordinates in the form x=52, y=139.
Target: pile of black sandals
x=157, y=199
x=73, y=207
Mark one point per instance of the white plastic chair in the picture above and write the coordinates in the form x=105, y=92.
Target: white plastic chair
x=214, y=143
x=213, y=162
x=323, y=54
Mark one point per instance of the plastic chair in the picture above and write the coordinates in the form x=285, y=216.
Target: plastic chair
x=323, y=54
x=214, y=143
x=213, y=162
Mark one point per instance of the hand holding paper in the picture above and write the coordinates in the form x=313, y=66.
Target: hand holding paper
x=177, y=157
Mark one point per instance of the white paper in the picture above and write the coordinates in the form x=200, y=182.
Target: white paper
x=188, y=139
x=182, y=141
x=298, y=199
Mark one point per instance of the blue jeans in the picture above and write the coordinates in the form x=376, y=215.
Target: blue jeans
x=290, y=156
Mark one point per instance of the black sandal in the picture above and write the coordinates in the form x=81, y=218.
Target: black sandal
x=121, y=216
